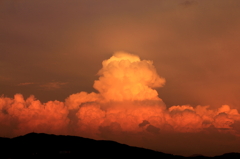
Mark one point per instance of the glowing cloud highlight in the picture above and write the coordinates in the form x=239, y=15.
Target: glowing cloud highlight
x=125, y=77
x=126, y=107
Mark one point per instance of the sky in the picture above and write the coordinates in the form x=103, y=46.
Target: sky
x=157, y=74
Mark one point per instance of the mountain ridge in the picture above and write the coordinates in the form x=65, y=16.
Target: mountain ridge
x=41, y=145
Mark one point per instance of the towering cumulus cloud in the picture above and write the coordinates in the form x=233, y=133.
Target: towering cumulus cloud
x=126, y=108
x=125, y=77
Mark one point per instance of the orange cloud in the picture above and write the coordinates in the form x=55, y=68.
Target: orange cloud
x=127, y=105
x=31, y=115
x=125, y=77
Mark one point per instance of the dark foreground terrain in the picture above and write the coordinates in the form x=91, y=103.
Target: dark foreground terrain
x=44, y=146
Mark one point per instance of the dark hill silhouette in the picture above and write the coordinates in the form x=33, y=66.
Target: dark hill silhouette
x=44, y=146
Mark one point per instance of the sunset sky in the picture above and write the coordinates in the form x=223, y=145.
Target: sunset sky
x=159, y=74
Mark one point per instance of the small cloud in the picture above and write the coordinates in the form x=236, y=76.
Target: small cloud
x=152, y=129
x=53, y=85
x=26, y=83
x=188, y=3
x=145, y=122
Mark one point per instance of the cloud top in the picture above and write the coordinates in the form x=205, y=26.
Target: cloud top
x=125, y=76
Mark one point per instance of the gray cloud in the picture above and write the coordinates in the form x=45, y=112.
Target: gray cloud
x=188, y=3
x=53, y=85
